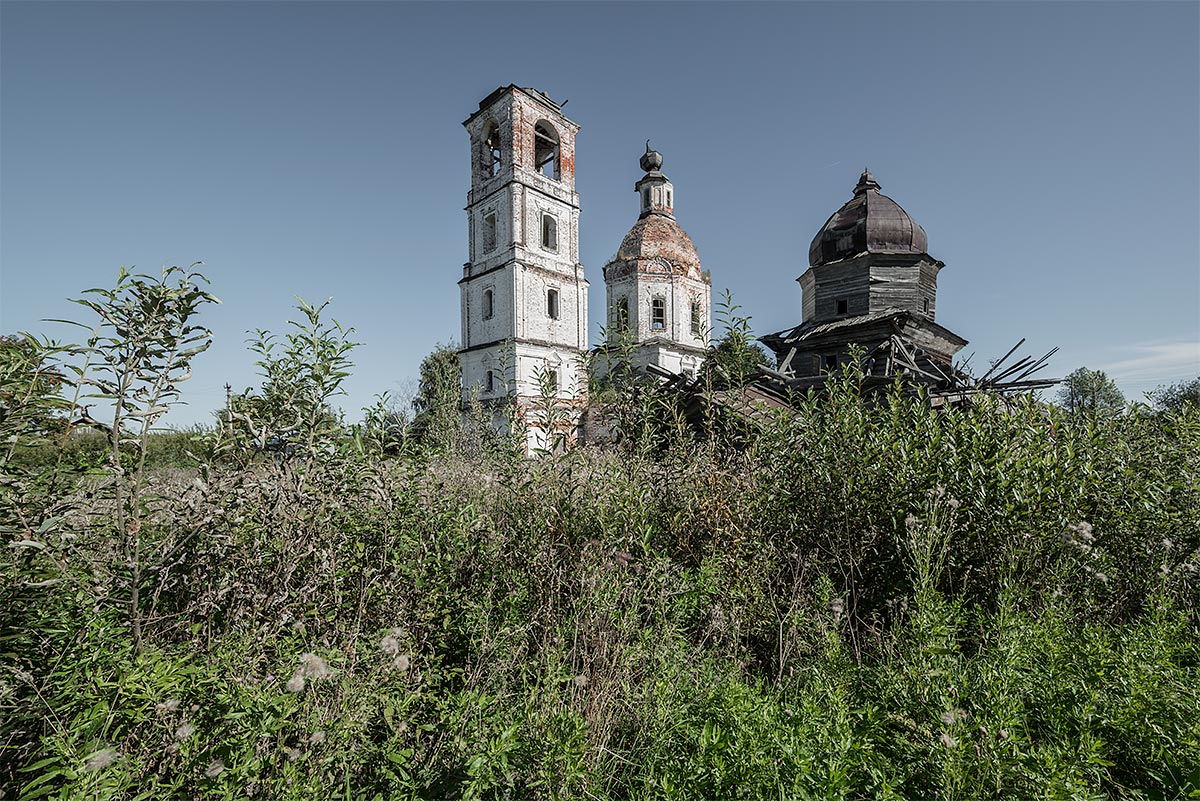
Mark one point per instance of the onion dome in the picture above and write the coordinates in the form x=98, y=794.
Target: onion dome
x=652, y=161
x=656, y=243
x=870, y=222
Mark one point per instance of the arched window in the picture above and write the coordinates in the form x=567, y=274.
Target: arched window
x=658, y=314
x=489, y=305
x=492, y=159
x=546, y=150
x=549, y=232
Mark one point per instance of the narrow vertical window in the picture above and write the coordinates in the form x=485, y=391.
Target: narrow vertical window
x=843, y=306
x=646, y=198
x=549, y=232
x=927, y=305
x=696, y=318
x=669, y=198
x=546, y=158
x=489, y=232
x=552, y=378
x=658, y=314
x=491, y=381
x=491, y=151
x=489, y=305
x=830, y=361
x=552, y=304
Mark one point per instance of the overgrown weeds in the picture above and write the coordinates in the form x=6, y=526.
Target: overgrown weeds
x=860, y=600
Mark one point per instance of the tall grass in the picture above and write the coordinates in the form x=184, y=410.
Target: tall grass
x=859, y=600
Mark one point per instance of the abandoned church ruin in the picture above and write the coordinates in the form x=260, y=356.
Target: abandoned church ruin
x=870, y=278
x=870, y=289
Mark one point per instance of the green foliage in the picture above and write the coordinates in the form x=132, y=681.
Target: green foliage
x=1091, y=392
x=31, y=404
x=438, y=404
x=735, y=358
x=1174, y=397
x=302, y=373
x=860, y=600
x=383, y=430
x=140, y=350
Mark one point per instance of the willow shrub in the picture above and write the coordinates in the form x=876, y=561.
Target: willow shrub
x=860, y=600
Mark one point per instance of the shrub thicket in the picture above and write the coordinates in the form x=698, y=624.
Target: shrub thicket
x=859, y=600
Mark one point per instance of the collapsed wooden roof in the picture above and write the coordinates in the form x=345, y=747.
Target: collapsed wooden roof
x=896, y=359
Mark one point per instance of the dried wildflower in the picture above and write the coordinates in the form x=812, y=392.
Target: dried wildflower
x=390, y=645
x=580, y=680
x=314, y=667
x=100, y=760
x=1168, y=544
x=292, y=754
x=947, y=740
x=296, y=683
x=317, y=737
x=912, y=521
x=401, y=662
x=953, y=503
x=169, y=705
x=214, y=769
x=952, y=716
x=838, y=607
x=1079, y=536
x=184, y=731
x=1003, y=734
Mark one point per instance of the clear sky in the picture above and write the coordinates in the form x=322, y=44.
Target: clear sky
x=1051, y=151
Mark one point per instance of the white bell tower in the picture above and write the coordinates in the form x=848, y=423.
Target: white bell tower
x=524, y=297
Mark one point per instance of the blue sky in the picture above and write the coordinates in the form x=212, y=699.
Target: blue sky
x=1051, y=151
